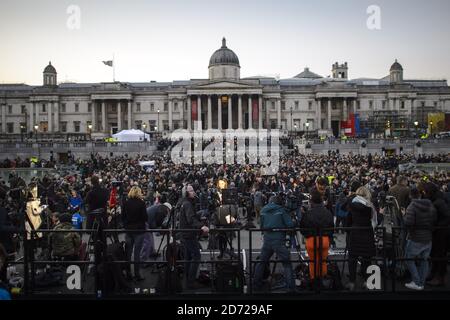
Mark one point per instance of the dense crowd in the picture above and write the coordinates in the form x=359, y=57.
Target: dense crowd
x=340, y=190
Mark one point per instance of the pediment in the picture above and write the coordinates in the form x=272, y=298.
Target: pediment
x=223, y=84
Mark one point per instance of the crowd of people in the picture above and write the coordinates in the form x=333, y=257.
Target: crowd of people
x=343, y=190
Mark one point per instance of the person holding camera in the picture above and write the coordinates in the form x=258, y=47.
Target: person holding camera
x=64, y=245
x=189, y=219
x=97, y=202
x=134, y=215
x=275, y=216
x=317, y=218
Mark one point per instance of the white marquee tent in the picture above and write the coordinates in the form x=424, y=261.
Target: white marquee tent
x=131, y=135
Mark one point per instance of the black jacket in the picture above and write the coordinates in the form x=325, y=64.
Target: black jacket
x=156, y=215
x=134, y=214
x=97, y=198
x=420, y=217
x=361, y=242
x=318, y=217
x=189, y=219
x=442, y=209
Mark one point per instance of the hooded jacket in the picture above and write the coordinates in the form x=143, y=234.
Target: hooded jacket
x=275, y=216
x=318, y=217
x=420, y=217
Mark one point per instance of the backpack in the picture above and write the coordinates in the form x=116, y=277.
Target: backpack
x=229, y=277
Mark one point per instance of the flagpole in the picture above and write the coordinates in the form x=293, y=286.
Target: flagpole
x=114, y=70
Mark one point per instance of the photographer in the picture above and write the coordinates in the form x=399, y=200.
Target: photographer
x=96, y=200
x=275, y=216
x=190, y=220
x=64, y=245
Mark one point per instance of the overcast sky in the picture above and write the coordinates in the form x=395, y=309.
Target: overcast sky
x=174, y=39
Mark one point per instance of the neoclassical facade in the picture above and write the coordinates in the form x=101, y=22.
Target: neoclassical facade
x=307, y=101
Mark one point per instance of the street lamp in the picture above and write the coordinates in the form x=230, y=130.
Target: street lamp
x=307, y=127
x=158, y=120
x=36, y=127
x=416, y=123
x=143, y=127
x=431, y=127
x=291, y=118
x=22, y=127
x=90, y=131
x=295, y=126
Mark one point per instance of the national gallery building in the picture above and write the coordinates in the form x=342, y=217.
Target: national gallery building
x=305, y=102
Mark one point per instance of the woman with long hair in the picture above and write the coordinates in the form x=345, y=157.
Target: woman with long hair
x=134, y=215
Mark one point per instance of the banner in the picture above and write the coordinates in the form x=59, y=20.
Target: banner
x=349, y=125
x=194, y=110
x=255, y=110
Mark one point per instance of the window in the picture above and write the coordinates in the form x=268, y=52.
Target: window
x=402, y=104
x=89, y=107
x=44, y=108
x=358, y=105
x=114, y=108
x=296, y=105
x=138, y=124
x=63, y=126
x=273, y=105
x=371, y=104
x=283, y=105
x=152, y=124
x=334, y=106
x=423, y=104
x=152, y=107
x=175, y=107
x=165, y=124
x=165, y=106
x=309, y=105
x=435, y=104
x=383, y=104
x=77, y=107
x=138, y=107
x=76, y=126
x=63, y=107
x=23, y=109
x=10, y=127
x=10, y=109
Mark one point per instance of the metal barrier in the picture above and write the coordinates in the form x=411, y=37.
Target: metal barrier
x=384, y=259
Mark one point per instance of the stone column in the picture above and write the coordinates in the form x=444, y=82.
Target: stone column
x=36, y=109
x=129, y=110
x=209, y=113
x=250, y=113
x=93, y=116
x=329, y=115
x=319, y=114
x=170, y=114
x=279, y=113
x=354, y=106
x=199, y=111
x=230, y=114
x=119, y=115
x=189, y=116
x=103, y=117
x=219, y=113
x=31, y=126
x=240, y=112
x=260, y=124
x=4, y=117
x=49, y=117
x=56, y=111
x=391, y=104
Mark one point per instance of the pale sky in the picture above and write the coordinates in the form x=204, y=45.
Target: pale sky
x=174, y=39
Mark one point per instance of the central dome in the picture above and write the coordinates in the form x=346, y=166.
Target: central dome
x=224, y=56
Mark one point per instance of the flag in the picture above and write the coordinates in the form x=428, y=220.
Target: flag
x=108, y=63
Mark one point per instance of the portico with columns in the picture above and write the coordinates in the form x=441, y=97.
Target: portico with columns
x=111, y=113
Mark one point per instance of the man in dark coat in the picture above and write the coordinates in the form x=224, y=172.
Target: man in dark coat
x=401, y=192
x=361, y=242
x=189, y=219
x=420, y=217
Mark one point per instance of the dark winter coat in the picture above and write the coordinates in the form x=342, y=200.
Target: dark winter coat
x=318, y=217
x=361, y=242
x=420, y=217
x=134, y=214
x=189, y=219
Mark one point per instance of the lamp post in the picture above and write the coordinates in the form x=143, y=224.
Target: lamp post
x=22, y=127
x=143, y=127
x=295, y=126
x=291, y=118
x=431, y=128
x=416, y=123
x=36, y=127
x=157, y=125
x=90, y=131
